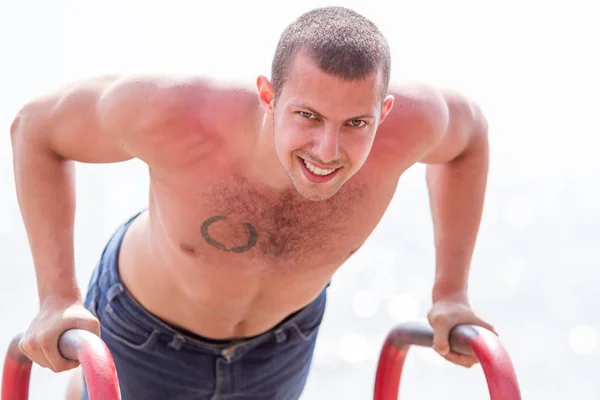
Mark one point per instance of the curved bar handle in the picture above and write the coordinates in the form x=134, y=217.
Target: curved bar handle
x=16, y=372
x=464, y=339
x=96, y=362
x=75, y=344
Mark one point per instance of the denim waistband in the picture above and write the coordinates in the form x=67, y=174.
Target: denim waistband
x=109, y=283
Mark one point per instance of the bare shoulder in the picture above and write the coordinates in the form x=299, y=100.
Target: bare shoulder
x=423, y=115
x=431, y=125
x=432, y=101
x=420, y=104
x=175, y=115
x=417, y=120
x=168, y=96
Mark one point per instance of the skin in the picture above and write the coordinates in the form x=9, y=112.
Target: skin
x=238, y=235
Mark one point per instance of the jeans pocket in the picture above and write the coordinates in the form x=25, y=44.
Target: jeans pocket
x=307, y=326
x=120, y=327
x=307, y=332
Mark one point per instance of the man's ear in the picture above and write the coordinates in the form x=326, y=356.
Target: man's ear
x=388, y=103
x=266, y=94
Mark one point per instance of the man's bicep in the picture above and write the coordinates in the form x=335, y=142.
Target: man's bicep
x=465, y=122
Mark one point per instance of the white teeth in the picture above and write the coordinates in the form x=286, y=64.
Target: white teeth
x=316, y=170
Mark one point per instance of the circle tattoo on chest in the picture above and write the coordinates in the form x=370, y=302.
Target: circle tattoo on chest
x=252, y=236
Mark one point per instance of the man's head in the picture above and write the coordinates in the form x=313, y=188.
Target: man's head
x=330, y=77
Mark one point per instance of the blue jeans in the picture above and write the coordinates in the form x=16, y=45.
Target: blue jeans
x=157, y=361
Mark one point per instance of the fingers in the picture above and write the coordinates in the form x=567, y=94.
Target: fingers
x=487, y=326
x=441, y=345
x=43, y=350
x=443, y=317
x=462, y=360
x=56, y=361
x=40, y=343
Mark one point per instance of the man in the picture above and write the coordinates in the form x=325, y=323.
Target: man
x=218, y=289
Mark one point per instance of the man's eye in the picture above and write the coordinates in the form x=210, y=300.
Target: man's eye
x=357, y=123
x=306, y=114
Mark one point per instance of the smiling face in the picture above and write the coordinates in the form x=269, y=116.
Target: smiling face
x=324, y=126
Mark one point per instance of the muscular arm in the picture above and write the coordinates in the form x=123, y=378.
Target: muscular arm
x=448, y=132
x=100, y=120
x=456, y=177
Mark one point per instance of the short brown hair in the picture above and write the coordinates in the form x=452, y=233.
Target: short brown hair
x=341, y=41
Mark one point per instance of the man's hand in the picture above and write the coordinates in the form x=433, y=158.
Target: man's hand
x=56, y=316
x=447, y=312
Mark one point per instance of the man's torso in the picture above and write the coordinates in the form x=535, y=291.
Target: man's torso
x=222, y=255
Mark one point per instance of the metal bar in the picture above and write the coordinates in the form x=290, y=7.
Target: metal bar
x=76, y=344
x=464, y=339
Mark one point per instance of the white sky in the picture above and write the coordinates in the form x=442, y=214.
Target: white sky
x=531, y=64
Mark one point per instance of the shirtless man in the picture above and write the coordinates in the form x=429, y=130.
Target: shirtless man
x=257, y=196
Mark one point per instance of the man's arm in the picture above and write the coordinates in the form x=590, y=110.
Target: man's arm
x=100, y=120
x=456, y=177
x=47, y=135
x=166, y=121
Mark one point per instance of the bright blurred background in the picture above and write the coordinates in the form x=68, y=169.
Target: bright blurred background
x=533, y=67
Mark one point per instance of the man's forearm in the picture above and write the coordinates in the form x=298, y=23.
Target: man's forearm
x=46, y=194
x=457, y=191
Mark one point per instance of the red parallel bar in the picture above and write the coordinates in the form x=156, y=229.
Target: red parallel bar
x=464, y=339
x=15, y=377
x=91, y=352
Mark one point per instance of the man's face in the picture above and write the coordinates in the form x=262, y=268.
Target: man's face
x=324, y=127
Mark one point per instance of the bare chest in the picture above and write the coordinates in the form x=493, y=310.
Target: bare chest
x=239, y=223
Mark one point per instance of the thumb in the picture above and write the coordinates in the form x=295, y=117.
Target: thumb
x=441, y=342
x=486, y=325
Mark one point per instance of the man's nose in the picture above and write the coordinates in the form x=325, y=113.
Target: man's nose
x=327, y=145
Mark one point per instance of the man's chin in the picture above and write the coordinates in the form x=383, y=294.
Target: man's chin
x=314, y=191
x=314, y=194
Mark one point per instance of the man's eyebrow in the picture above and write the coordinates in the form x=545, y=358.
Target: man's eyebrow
x=362, y=116
x=313, y=111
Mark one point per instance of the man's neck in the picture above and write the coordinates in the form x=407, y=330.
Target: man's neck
x=265, y=164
